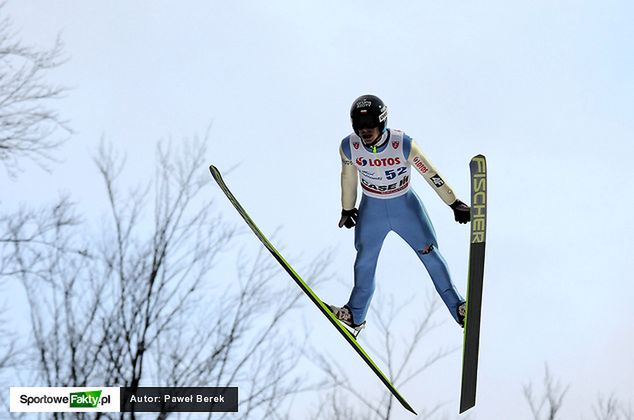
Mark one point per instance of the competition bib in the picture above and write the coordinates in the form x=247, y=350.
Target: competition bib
x=384, y=174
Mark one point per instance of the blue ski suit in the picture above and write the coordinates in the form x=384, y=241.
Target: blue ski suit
x=388, y=204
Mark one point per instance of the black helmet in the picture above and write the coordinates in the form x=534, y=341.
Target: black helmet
x=368, y=111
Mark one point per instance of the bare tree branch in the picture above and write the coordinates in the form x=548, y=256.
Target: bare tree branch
x=611, y=408
x=141, y=301
x=29, y=126
x=549, y=404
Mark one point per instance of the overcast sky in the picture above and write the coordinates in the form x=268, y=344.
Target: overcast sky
x=544, y=89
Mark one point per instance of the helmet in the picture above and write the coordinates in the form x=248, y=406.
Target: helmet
x=368, y=111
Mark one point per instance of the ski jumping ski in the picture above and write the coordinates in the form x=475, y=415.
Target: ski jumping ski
x=307, y=290
x=478, y=171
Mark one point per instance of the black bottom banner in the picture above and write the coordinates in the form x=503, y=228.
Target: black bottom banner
x=179, y=399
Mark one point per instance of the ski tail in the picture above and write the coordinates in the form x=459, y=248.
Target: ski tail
x=307, y=290
x=475, y=281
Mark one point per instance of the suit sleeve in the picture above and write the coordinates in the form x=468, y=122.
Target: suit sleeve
x=349, y=182
x=419, y=161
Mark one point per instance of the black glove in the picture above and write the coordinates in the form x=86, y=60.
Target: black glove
x=348, y=218
x=461, y=211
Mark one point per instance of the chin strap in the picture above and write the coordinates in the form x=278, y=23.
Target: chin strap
x=380, y=142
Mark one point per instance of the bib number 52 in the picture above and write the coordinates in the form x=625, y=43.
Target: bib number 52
x=393, y=173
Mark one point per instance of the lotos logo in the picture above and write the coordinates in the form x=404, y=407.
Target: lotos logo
x=420, y=165
x=378, y=162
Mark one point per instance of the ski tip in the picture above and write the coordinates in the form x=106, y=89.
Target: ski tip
x=478, y=163
x=464, y=408
x=215, y=173
x=405, y=404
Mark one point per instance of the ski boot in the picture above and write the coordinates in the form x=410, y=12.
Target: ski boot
x=344, y=315
x=462, y=313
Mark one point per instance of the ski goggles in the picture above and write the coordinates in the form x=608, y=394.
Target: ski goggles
x=364, y=121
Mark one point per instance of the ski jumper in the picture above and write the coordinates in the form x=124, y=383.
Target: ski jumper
x=389, y=204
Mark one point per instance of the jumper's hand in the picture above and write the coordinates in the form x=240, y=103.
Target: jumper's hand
x=348, y=218
x=461, y=211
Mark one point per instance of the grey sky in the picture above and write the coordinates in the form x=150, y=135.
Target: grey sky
x=544, y=89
